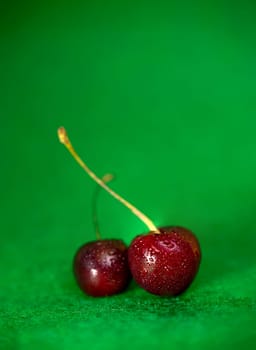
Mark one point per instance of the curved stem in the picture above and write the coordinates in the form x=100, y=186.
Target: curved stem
x=106, y=178
x=63, y=137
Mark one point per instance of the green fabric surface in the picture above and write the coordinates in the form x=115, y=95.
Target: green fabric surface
x=163, y=96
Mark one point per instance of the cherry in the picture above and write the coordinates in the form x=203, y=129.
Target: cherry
x=166, y=260
x=165, y=263
x=101, y=267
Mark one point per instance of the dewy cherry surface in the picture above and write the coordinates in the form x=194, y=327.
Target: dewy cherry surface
x=101, y=267
x=189, y=237
x=164, y=263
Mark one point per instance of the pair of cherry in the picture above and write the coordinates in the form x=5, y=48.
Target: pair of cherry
x=164, y=262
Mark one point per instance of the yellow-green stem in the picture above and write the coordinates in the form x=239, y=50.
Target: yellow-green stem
x=63, y=137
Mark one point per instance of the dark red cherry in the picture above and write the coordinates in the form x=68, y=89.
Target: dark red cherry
x=165, y=263
x=101, y=267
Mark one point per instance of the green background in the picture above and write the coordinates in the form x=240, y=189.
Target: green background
x=164, y=97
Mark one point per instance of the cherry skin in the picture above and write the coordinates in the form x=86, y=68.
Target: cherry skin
x=101, y=267
x=165, y=263
x=189, y=237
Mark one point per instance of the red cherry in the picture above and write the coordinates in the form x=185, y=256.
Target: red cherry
x=101, y=267
x=165, y=263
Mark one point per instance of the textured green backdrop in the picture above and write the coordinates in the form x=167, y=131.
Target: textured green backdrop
x=164, y=97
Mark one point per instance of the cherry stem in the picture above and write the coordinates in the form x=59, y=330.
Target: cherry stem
x=106, y=178
x=63, y=137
